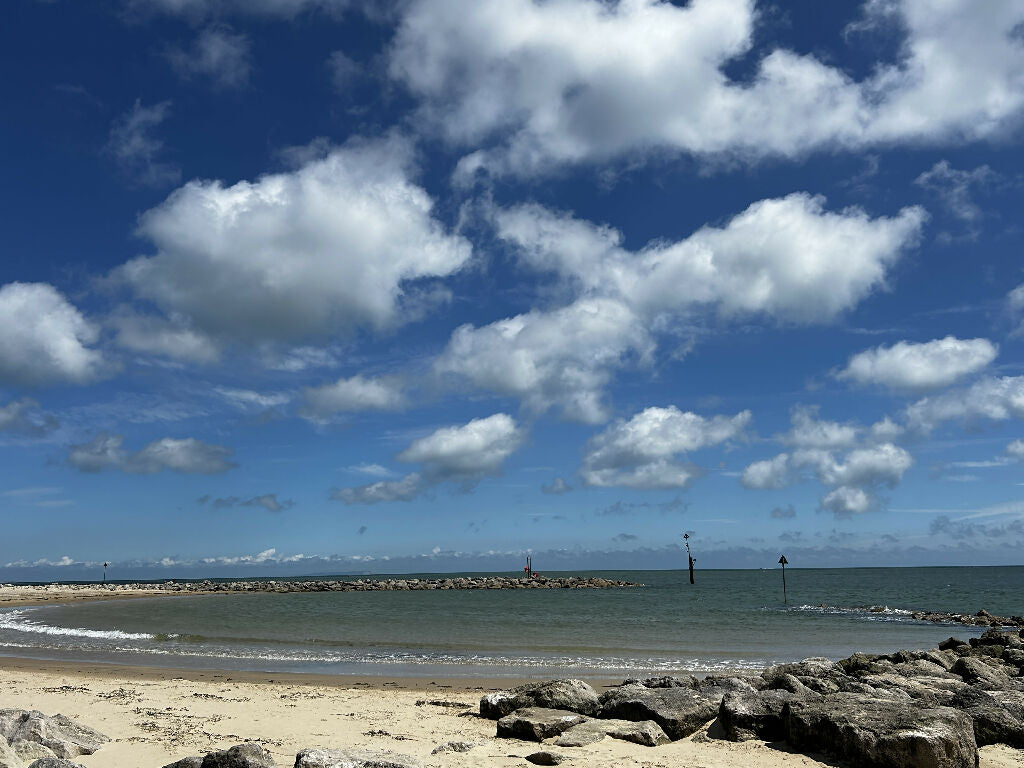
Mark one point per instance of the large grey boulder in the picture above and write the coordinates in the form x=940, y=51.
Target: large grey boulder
x=981, y=674
x=933, y=690
x=998, y=715
x=647, y=733
x=28, y=751
x=679, y=711
x=247, y=755
x=865, y=731
x=754, y=715
x=573, y=695
x=53, y=762
x=61, y=735
x=353, y=758
x=196, y=761
x=537, y=723
x=8, y=757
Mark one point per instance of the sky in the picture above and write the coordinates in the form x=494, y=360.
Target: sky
x=335, y=286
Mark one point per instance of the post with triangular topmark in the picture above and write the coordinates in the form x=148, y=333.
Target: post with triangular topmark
x=784, y=562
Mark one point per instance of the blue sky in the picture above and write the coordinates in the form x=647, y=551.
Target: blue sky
x=297, y=286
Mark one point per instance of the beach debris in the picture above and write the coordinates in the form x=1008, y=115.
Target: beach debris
x=863, y=730
x=62, y=736
x=573, y=695
x=443, y=703
x=353, y=758
x=545, y=757
x=647, y=733
x=537, y=723
x=455, y=746
x=679, y=711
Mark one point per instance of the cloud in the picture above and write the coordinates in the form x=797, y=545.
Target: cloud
x=460, y=453
x=541, y=84
x=188, y=456
x=994, y=398
x=405, y=489
x=163, y=337
x=374, y=470
x=357, y=393
x=136, y=151
x=246, y=399
x=954, y=187
x=808, y=431
x=45, y=339
x=558, y=359
x=768, y=473
x=787, y=258
x=783, y=513
x=336, y=245
x=622, y=538
x=1015, y=308
x=645, y=451
x=24, y=417
x=218, y=54
x=930, y=365
x=556, y=487
x=1015, y=450
x=267, y=501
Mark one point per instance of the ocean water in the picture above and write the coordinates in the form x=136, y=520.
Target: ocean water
x=728, y=621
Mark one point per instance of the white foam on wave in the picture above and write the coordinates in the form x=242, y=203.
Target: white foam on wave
x=18, y=621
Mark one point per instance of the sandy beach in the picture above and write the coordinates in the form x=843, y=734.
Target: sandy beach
x=156, y=716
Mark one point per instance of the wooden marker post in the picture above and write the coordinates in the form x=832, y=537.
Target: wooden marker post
x=689, y=557
x=105, y=572
x=784, y=562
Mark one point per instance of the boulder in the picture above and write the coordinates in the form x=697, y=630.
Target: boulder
x=353, y=758
x=61, y=735
x=866, y=731
x=934, y=690
x=996, y=637
x=785, y=682
x=679, y=711
x=8, y=757
x=715, y=688
x=545, y=758
x=573, y=695
x=647, y=733
x=196, y=761
x=454, y=746
x=247, y=755
x=28, y=751
x=755, y=715
x=53, y=762
x=998, y=715
x=977, y=673
x=666, y=681
x=537, y=723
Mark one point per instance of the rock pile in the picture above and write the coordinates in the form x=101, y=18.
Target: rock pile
x=980, y=619
x=336, y=585
x=30, y=738
x=909, y=709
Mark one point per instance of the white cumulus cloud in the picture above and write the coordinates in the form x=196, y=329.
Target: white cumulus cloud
x=645, y=451
x=920, y=366
x=321, y=250
x=187, y=455
x=357, y=393
x=45, y=339
x=542, y=83
x=993, y=399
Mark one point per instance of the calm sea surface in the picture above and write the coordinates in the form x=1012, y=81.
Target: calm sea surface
x=731, y=620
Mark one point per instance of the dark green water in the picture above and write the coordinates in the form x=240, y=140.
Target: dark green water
x=728, y=620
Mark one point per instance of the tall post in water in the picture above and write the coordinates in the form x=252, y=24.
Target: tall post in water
x=689, y=557
x=105, y=572
x=784, y=562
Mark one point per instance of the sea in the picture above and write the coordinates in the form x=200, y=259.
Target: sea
x=729, y=621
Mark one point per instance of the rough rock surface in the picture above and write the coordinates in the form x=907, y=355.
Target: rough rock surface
x=976, y=672
x=454, y=746
x=187, y=762
x=864, y=731
x=62, y=736
x=545, y=758
x=998, y=715
x=8, y=757
x=647, y=733
x=537, y=723
x=353, y=758
x=754, y=715
x=54, y=762
x=31, y=750
x=572, y=695
x=679, y=711
x=248, y=755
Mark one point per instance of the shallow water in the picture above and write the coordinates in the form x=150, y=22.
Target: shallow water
x=730, y=620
